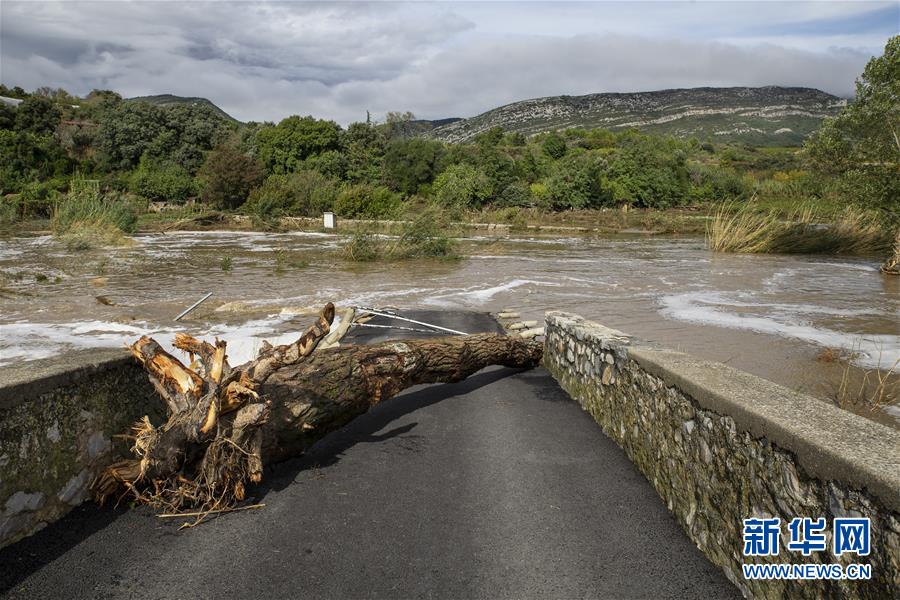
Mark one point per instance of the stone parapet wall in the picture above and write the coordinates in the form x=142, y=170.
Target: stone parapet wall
x=720, y=445
x=57, y=422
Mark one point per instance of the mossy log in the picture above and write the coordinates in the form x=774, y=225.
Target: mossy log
x=224, y=423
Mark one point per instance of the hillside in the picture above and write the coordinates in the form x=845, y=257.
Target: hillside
x=169, y=99
x=762, y=116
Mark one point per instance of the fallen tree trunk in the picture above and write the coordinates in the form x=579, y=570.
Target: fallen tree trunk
x=224, y=423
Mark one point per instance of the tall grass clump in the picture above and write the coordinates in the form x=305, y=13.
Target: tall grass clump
x=85, y=218
x=852, y=232
x=424, y=237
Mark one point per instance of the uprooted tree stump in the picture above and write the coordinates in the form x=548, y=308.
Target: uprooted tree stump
x=225, y=422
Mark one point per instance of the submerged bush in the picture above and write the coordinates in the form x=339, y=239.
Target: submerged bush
x=422, y=238
x=802, y=232
x=86, y=218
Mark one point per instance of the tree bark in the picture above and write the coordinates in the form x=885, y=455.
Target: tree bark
x=224, y=423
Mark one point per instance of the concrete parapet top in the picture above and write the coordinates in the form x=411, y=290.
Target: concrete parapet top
x=26, y=380
x=828, y=442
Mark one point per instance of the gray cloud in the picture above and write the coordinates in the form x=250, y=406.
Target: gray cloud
x=266, y=61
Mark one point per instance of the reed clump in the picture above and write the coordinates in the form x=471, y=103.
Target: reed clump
x=86, y=218
x=424, y=237
x=746, y=230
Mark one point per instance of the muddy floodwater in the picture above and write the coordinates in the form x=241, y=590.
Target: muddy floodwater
x=770, y=315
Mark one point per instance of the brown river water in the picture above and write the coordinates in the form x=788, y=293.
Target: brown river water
x=770, y=315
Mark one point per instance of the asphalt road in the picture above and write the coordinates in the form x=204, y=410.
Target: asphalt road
x=497, y=487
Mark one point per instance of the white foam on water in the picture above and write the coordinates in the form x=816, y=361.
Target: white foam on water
x=43, y=340
x=852, y=266
x=705, y=308
x=480, y=296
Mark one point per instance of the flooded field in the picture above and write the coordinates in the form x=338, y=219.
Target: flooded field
x=769, y=315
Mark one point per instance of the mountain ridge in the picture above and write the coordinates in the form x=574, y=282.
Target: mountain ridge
x=769, y=115
x=172, y=99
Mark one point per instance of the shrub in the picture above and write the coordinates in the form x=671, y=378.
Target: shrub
x=461, y=185
x=554, y=145
x=228, y=176
x=515, y=194
x=411, y=163
x=645, y=173
x=540, y=194
x=367, y=201
x=424, y=237
x=712, y=184
x=9, y=212
x=575, y=182
x=162, y=182
x=87, y=218
x=330, y=164
x=305, y=193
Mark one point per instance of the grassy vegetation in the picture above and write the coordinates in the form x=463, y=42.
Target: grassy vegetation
x=862, y=388
x=425, y=237
x=85, y=218
x=285, y=260
x=802, y=231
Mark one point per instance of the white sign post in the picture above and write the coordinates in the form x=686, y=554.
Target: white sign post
x=329, y=220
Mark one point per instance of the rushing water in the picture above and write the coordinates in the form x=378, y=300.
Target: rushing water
x=770, y=315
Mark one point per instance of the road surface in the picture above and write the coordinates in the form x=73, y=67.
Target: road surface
x=497, y=487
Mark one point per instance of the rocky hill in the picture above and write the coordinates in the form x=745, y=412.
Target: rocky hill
x=169, y=99
x=775, y=116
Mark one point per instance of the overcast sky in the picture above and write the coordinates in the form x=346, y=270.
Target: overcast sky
x=266, y=60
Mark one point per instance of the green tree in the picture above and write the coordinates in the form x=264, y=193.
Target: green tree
x=284, y=147
x=127, y=133
x=574, y=182
x=411, y=163
x=7, y=116
x=516, y=193
x=331, y=164
x=191, y=130
x=228, y=176
x=646, y=173
x=304, y=193
x=462, y=185
x=861, y=146
x=38, y=114
x=26, y=157
x=180, y=134
x=367, y=201
x=162, y=182
x=554, y=145
x=363, y=147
